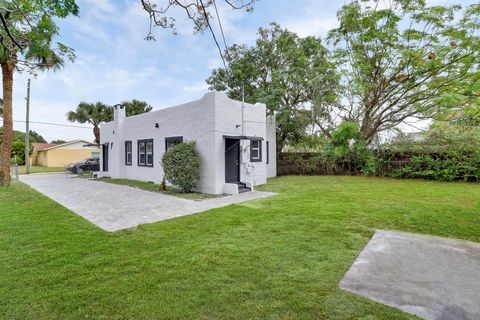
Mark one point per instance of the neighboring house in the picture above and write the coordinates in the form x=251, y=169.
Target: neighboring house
x=234, y=149
x=59, y=155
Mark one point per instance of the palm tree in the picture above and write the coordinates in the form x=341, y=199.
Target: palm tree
x=92, y=113
x=41, y=60
x=27, y=31
x=135, y=107
x=8, y=66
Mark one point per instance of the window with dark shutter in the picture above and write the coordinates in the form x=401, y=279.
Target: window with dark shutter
x=128, y=153
x=171, y=142
x=267, y=145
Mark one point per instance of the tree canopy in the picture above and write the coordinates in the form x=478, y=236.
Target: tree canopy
x=92, y=113
x=58, y=141
x=406, y=60
x=27, y=32
x=20, y=136
x=134, y=107
x=290, y=74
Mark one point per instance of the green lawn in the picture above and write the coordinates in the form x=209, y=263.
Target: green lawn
x=38, y=169
x=155, y=188
x=280, y=257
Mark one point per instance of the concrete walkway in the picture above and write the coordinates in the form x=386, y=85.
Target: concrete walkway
x=114, y=207
x=431, y=277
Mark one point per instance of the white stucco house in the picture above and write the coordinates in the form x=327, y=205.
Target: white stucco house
x=237, y=148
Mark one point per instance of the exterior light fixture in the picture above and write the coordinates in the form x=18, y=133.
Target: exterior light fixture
x=157, y=125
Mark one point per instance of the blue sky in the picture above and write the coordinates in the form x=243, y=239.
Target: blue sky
x=115, y=63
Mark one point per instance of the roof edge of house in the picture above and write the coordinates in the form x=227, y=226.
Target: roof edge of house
x=65, y=144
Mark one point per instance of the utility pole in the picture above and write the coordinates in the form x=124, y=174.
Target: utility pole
x=27, y=131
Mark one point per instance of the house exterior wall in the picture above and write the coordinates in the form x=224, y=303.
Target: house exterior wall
x=205, y=121
x=62, y=156
x=193, y=121
x=41, y=159
x=228, y=121
x=272, y=147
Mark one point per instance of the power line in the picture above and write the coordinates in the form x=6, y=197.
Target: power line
x=221, y=28
x=55, y=124
x=209, y=25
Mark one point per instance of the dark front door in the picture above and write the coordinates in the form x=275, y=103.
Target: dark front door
x=232, y=160
x=105, y=157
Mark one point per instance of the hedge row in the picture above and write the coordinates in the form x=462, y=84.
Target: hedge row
x=448, y=166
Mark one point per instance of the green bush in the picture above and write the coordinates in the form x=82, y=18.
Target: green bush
x=446, y=152
x=18, y=152
x=451, y=166
x=181, y=166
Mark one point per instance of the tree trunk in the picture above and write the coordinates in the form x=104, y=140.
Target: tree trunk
x=7, y=76
x=280, y=143
x=96, y=132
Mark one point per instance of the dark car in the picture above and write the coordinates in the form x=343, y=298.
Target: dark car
x=91, y=164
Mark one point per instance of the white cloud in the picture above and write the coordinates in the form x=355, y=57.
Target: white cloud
x=196, y=88
x=101, y=6
x=312, y=26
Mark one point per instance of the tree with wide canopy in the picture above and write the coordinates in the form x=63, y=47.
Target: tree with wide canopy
x=403, y=60
x=291, y=75
x=27, y=30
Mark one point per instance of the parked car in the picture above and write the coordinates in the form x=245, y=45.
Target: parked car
x=90, y=164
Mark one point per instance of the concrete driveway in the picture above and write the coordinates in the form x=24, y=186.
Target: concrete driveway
x=431, y=277
x=115, y=207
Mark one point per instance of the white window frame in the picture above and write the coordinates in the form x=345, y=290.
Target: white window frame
x=256, y=147
x=143, y=144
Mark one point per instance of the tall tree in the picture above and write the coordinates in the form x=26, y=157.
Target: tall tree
x=398, y=58
x=135, y=107
x=291, y=75
x=26, y=32
x=461, y=105
x=92, y=113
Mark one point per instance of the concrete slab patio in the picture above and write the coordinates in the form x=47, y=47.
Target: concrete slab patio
x=431, y=277
x=115, y=207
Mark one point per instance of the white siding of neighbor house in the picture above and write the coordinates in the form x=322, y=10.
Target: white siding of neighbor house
x=204, y=121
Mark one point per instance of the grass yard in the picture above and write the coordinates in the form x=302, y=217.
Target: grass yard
x=39, y=169
x=280, y=257
x=149, y=186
